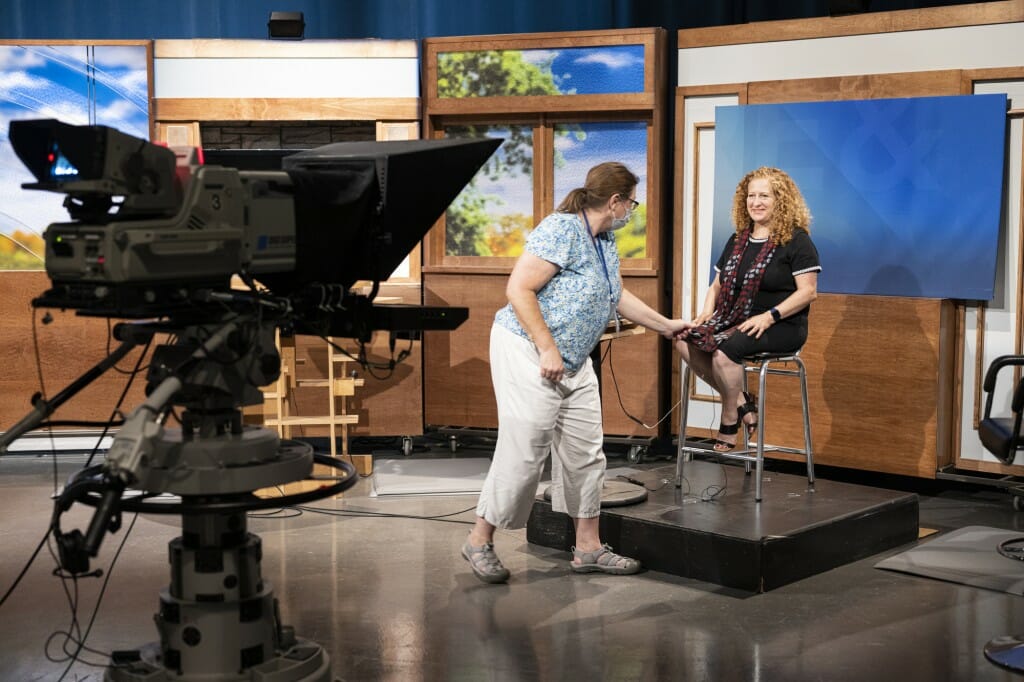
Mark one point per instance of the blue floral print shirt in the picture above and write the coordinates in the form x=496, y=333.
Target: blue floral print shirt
x=582, y=297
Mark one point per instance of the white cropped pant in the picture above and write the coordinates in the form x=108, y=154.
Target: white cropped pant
x=537, y=416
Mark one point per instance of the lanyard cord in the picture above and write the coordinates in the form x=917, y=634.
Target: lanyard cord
x=600, y=253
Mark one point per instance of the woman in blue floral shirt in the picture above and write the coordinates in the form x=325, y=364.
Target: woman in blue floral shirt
x=562, y=292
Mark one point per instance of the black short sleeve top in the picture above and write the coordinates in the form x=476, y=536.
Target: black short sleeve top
x=779, y=281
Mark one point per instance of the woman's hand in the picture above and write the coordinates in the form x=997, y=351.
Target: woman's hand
x=756, y=325
x=703, y=318
x=677, y=329
x=551, y=365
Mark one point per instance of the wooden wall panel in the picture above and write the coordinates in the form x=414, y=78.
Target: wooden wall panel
x=457, y=379
x=456, y=372
x=169, y=110
x=68, y=346
x=972, y=14
x=921, y=84
x=390, y=406
x=71, y=344
x=876, y=371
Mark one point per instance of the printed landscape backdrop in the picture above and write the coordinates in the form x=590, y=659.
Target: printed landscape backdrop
x=76, y=84
x=494, y=214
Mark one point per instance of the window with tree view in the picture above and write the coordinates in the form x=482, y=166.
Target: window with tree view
x=494, y=213
x=561, y=114
x=581, y=146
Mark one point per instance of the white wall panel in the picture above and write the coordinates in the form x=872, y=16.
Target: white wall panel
x=284, y=78
x=698, y=188
x=1001, y=314
x=971, y=47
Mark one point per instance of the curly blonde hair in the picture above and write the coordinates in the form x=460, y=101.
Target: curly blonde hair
x=790, y=212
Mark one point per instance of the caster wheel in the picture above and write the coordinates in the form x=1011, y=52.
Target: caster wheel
x=1018, y=503
x=406, y=445
x=636, y=454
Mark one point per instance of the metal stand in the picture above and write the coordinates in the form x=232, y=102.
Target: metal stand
x=751, y=456
x=218, y=619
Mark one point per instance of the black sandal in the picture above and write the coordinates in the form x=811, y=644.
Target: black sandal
x=726, y=430
x=749, y=407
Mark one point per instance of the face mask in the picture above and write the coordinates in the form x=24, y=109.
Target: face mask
x=619, y=223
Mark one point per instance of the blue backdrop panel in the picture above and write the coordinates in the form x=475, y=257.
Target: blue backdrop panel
x=906, y=194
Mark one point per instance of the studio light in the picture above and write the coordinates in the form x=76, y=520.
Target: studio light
x=289, y=25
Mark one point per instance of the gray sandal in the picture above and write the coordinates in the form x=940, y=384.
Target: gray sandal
x=485, y=563
x=603, y=560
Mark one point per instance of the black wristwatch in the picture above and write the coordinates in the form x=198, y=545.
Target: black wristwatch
x=776, y=315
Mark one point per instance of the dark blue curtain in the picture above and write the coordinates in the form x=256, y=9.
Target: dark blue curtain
x=391, y=19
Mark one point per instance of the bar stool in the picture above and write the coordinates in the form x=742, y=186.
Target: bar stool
x=761, y=364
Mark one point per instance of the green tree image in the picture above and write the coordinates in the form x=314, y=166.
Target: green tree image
x=473, y=226
x=632, y=239
x=481, y=74
x=21, y=251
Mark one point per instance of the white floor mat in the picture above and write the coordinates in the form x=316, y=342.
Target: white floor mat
x=462, y=476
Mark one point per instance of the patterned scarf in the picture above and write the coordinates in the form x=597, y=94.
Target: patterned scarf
x=734, y=302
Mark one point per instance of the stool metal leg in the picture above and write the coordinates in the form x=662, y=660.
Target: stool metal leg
x=684, y=408
x=743, y=429
x=807, y=423
x=761, y=393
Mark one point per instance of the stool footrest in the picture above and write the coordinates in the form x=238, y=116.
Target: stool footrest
x=767, y=448
x=741, y=455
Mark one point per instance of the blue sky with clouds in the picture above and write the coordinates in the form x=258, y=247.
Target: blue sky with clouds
x=591, y=70
x=594, y=70
x=39, y=81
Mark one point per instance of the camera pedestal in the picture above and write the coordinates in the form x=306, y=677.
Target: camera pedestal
x=218, y=619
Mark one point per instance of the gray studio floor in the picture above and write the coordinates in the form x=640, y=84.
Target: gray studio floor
x=391, y=599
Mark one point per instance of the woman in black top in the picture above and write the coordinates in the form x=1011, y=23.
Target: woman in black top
x=765, y=280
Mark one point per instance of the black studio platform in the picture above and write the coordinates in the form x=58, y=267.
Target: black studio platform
x=736, y=542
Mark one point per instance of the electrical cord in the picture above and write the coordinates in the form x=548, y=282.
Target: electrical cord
x=442, y=518
x=607, y=359
x=637, y=481
x=714, y=491
x=363, y=361
x=24, y=570
x=282, y=513
x=42, y=388
x=69, y=635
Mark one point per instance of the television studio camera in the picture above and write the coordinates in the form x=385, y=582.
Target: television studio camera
x=155, y=239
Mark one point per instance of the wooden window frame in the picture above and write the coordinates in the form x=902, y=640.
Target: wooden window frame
x=543, y=112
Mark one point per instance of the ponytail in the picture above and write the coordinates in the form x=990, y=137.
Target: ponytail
x=603, y=181
x=574, y=201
